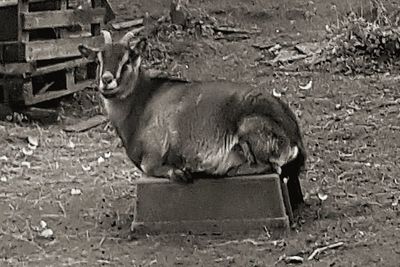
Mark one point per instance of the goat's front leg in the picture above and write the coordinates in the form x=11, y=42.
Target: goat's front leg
x=153, y=165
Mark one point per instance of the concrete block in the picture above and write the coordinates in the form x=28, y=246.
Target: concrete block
x=235, y=204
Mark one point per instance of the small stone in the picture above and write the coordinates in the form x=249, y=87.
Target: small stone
x=43, y=224
x=100, y=160
x=76, y=191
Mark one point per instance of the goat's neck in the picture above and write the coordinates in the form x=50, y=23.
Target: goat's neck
x=125, y=113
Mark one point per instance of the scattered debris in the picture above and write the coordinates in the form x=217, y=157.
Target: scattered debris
x=322, y=249
x=287, y=56
x=322, y=196
x=26, y=164
x=42, y=115
x=307, y=86
x=232, y=37
x=309, y=48
x=47, y=233
x=43, y=224
x=178, y=13
x=127, y=24
x=27, y=152
x=86, y=168
x=76, y=191
x=33, y=141
x=100, y=160
x=231, y=30
x=263, y=46
x=86, y=124
x=276, y=93
x=70, y=144
x=293, y=259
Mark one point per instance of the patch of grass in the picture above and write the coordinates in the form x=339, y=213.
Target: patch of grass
x=360, y=44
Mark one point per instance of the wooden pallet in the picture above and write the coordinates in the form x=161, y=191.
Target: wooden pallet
x=47, y=34
x=39, y=39
x=49, y=82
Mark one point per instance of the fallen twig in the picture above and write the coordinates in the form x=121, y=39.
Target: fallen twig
x=247, y=240
x=319, y=250
x=228, y=30
x=62, y=209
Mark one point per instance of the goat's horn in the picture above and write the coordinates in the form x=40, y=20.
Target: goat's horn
x=107, y=36
x=129, y=35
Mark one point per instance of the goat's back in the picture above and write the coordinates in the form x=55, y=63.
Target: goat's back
x=199, y=121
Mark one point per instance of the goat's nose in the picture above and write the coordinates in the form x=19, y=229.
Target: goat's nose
x=107, y=77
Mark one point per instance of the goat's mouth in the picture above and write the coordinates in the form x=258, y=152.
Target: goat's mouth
x=109, y=90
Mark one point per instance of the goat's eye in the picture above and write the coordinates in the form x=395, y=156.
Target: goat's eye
x=125, y=67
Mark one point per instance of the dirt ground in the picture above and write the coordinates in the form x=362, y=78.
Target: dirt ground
x=79, y=185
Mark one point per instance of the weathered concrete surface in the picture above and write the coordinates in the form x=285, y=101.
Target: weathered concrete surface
x=239, y=204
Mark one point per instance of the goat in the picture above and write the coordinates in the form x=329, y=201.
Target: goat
x=177, y=129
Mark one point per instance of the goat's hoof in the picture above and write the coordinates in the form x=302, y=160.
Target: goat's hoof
x=180, y=176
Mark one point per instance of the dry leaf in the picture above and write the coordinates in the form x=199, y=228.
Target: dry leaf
x=3, y=158
x=26, y=164
x=86, y=168
x=27, y=152
x=100, y=160
x=322, y=196
x=33, y=141
x=107, y=155
x=276, y=94
x=307, y=86
x=47, y=233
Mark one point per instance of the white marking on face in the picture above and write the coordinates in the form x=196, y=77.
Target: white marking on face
x=121, y=64
x=112, y=85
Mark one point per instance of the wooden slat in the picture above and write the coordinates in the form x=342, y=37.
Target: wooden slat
x=60, y=66
x=4, y=3
x=30, y=100
x=16, y=69
x=23, y=6
x=59, y=48
x=62, y=18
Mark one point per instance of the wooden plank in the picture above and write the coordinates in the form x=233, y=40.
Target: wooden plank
x=30, y=70
x=59, y=48
x=86, y=124
x=62, y=18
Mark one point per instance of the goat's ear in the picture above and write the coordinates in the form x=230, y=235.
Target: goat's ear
x=87, y=52
x=139, y=48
